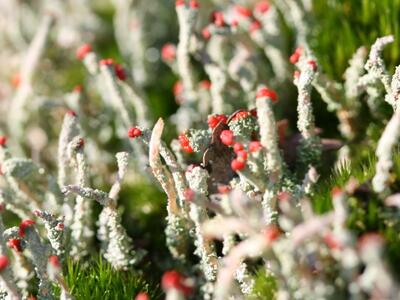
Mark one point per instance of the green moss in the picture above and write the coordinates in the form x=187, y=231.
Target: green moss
x=98, y=280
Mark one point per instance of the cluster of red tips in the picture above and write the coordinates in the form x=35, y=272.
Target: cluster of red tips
x=185, y=143
x=168, y=52
x=3, y=140
x=194, y=4
x=266, y=92
x=262, y=7
x=119, y=72
x=24, y=225
x=331, y=241
x=3, y=262
x=106, y=62
x=205, y=84
x=313, y=65
x=239, y=162
x=214, y=120
x=217, y=18
x=206, y=33
x=271, y=233
x=83, y=50
x=179, y=3
x=294, y=58
x=134, y=132
x=243, y=11
x=227, y=137
x=174, y=280
x=254, y=26
x=224, y=189
x=54, y=261
x=15, y=244
x=142, y=296
x=16, y=80
x=241, y=115
x=189, y=194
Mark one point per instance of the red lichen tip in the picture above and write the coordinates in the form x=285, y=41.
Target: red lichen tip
x=237, y=147
x=205, y=84
x=3, y=140
x=238, y=165
x=142, y=296
x=242, y=155
x=254, y=146
x=174, y=280
x=16, y=80
x=243, y=11
x=372, y=238
x=271, y=233
x=313, y=65
x=254, y=26
x=15, y=244
x=224, y=188
x=296, y=74
x=83, y=50
x=214, y=120
x=262, y=7
x=194, y=4
x=177, y=89
x=336, y=192
x=78, y=89
x=71, y=113
x=217, y=18
x=134, y=132
x=106, y=62
x=81, y=143
x=120, y=72
x=24, y=225
x=266, y=92
x=206, y=33
x=168, y=52
x=60, y=226
x=331, y=241
x=189, y=195
x=179, y=3
x=294, y=58
x=283, y=196
x=234, y=23
x=226, y=137
x=54, y=261
x=241, y=115
x=3, y=262
x=185, y=143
